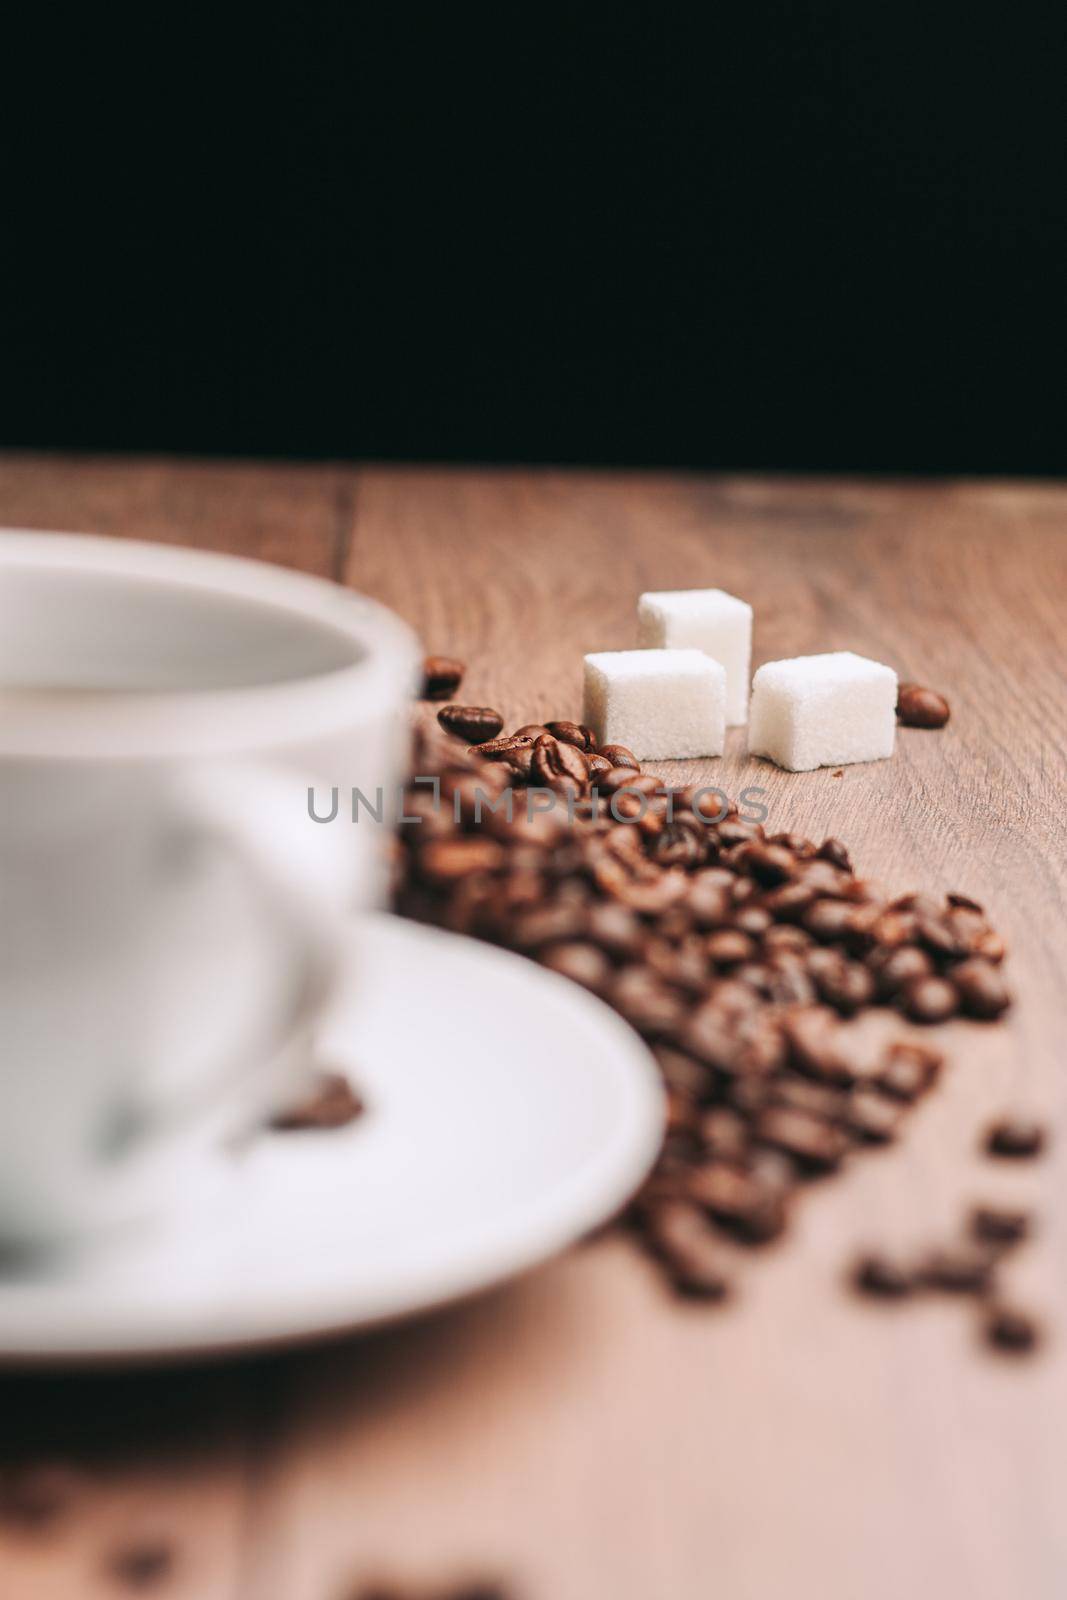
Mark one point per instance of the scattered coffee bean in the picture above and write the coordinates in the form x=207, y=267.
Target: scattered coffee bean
x=965, y=1268
x=142, y=1565
x=921, y=708
x=997, y=1225
x=1012, y=1331
x=441, y=677
x=34, y=1495
x=474, y=724
x=332, y=1103
x=879, y=1275
x=1016, y=1138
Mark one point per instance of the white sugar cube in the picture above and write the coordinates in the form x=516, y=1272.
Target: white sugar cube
x=823, y=711
x=703, y=619
x=661, y=704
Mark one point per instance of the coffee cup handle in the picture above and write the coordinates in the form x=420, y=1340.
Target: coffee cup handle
x=259, y=816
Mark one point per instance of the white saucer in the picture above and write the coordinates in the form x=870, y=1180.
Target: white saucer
x=508, y=1113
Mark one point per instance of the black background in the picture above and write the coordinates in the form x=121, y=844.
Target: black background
x=796, y=236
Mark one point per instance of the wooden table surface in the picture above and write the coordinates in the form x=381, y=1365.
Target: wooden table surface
x=579, y=1433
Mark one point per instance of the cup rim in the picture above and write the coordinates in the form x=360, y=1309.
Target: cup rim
x=184, y=723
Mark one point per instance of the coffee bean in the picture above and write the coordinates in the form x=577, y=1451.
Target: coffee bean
x=583, y=963
x=816, y=1146
x=894, y=969
x=878, y=1275
x=922, y=904
x=891, y=930
x=782, y=936
x=981, y=989
x=816, y=1048
x=553, y=922
x=617, y=779
x=617, y=930
x=1014, y=1332
x=738, y=1201
x=36, y=1494
x=679, y=1234
x=965, y=1268
x=991, y=947
x=816, y=1099
x=729, y=947
x=921, y=708
x=796, y=844
x=597, y=764
x=474, y=724
x=724, y=1135
x=753, y=920
x=871, y=1118
x=573, y=733
x=835, y=852
x=827, y=920
x=445, y=861
x=646, y=1003
x=332, y=1103
x=907, y=1071
x=530, y=730
x=929, y=1000
x=1017, y=1138
x=939, y=937
x=619, y=756
x=678, y=845
x=559, y=766
x=142, y=1565
x=997, y=1225
x=769, y=864
x=503, y=748
x=441, y=677
x=845, y=985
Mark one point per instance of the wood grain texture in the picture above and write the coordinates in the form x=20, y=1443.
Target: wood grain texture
x=580, y=1433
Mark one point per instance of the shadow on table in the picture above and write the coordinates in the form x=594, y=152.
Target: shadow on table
x=106, y=1414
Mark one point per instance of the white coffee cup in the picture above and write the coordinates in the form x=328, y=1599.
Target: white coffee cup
x=169, y=910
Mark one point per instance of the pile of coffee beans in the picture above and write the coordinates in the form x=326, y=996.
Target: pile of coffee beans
x=739, y=955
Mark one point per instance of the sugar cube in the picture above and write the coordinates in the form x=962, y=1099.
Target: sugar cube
x=703, y=619
x=662, y=704
x=823, y=711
